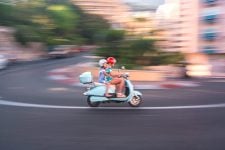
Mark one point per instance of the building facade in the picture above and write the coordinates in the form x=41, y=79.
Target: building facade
x=211, y=26
x=114, y=11
x=198, y=27
x=120, y=15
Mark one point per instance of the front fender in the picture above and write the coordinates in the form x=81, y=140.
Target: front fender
x=136, y=93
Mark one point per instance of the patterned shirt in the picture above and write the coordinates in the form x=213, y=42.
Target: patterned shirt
x=108, y=78
x=104, y=78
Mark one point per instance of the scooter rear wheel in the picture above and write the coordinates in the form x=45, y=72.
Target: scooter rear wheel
x=92, y=104
x=135, y=101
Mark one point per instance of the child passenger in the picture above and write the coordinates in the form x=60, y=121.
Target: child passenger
x=103, y=76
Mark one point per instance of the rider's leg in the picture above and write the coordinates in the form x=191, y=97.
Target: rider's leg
x=121, y=85
x=121, y=88
x=119, y=82
x=107, y=85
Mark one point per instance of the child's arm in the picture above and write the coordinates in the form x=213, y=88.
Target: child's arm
x=105, y=73
x=114, y=74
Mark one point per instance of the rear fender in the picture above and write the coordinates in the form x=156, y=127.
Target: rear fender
x=99, y=90
x=98, y=99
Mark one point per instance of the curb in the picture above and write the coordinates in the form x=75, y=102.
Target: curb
x=30, y=62
x=63, y=75
x=136, y=86
x=62, y=78
x=14, y=66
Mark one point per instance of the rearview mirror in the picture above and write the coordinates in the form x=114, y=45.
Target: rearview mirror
x=123, y=67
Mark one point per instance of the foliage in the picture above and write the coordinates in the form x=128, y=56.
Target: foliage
x=52, y=22
x=111, y=43
x=64, y=19
x=5, y=13
x=137, y=53
x=92, y=26
x=113, y=36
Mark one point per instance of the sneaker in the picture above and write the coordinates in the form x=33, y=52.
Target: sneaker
x=120, y=95
x=108, y=95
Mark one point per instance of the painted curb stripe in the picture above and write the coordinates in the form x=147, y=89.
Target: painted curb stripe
x=59, y=75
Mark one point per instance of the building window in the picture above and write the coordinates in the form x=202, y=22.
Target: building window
x=210, y=2
x=211, y=18
x=209, y=34
x=210, y=15
x=209, y=49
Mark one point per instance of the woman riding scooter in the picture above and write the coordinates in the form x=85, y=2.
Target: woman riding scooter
x=114, y=78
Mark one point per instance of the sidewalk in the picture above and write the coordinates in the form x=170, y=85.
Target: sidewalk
x=141, y=79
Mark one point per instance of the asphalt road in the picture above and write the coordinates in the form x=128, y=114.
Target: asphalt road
x=169, y=119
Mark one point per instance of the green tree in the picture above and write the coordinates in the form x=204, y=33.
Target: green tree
x=65, y=20
x=111, y=43
x=51, y=21
x=113, y=36
x=6, y=14
x=92, y=26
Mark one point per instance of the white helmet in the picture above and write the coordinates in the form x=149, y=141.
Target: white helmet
x=101, y=62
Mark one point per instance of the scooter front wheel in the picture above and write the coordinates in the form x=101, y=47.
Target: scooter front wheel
x=92, y=104
x=135, y=101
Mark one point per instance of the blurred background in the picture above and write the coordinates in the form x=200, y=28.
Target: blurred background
x=158, y=35
x=174, y=51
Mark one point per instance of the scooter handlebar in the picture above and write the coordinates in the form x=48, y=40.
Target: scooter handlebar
x=125, y=75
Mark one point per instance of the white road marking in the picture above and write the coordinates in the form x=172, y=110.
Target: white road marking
x=90, y=56
x=21, y=104
x=147, y=87
x=59, y=70
x=58, y=89
x=58, y=77
x=188, y=84
x=222, y=81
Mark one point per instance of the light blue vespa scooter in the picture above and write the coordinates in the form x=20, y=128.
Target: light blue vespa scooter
x=95, y=92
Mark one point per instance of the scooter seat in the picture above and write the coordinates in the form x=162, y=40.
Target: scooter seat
x=101, y=84
x=98, y=84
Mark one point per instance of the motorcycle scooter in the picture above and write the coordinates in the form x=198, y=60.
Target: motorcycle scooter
x=95, y=92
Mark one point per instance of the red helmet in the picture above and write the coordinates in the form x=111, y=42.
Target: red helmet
x=111, y=60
